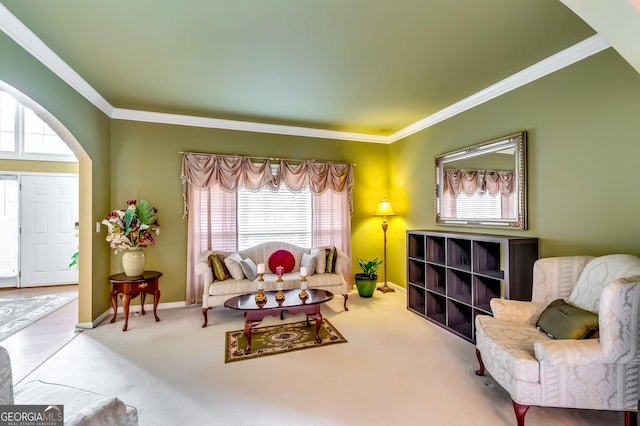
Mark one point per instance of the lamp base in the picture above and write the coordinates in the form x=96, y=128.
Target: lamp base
x=385, y=288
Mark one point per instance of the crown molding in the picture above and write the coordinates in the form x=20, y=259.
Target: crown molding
x=246, y=126
x=562, y=59
x=15, y=29
x=22, y=35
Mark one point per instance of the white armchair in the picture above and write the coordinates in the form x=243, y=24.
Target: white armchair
x=81, y=407
x=598, y=373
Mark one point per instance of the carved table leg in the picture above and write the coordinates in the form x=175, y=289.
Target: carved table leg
x=126, y=299
x=114, y=304
x=479, y=371
x=156, y=299
x=142, y=297
x=346, y=296
x=247, y=333
x=318, y=323
x=520, y=411
x=204, y=314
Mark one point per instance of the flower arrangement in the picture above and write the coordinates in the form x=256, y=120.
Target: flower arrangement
x=132, y=227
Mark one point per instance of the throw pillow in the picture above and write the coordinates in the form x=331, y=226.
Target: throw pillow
x=233, y=264
x=249, y=268
x=332, y=257
x=220, y=271
x=282, y=258
x=321, y=259
x=308, y=262
x=561, y=320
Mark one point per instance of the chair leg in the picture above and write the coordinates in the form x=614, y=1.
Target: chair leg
x=479, y=371
x=204, y=314
x=630, y=418
x=346, y=296
x=520, y=411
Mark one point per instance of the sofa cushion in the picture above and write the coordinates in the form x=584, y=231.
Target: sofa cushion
x=282, y=258
x=233, y=264
x=332, y=257
x=321, y=259
x=561, y=320
x=219, y=269
x=308, y=261
x=510, y=346
x=249, y=268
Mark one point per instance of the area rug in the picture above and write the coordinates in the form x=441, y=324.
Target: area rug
x=19, y=312
x=277, y=339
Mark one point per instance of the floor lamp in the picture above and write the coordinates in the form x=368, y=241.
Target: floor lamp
x=384, y=210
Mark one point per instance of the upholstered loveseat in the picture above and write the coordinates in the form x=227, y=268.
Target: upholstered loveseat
x=326, y=269
x=559, y=355
x=81, y=407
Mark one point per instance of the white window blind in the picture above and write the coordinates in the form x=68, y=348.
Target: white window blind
x=479, y=206
x=274, y=216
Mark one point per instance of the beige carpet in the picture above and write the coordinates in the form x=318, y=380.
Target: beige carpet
x=397, y=369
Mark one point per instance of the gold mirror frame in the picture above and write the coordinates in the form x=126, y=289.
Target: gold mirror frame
x=516, y=142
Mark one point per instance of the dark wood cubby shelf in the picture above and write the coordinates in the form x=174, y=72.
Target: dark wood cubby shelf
x=451, y=277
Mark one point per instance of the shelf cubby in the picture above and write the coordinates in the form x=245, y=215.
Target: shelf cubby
x=485, y=289
x=459, y=285
x=416, y=272
x=452, y=277
x=415, y=249
x=459, y=254
x=460, y=318
x=436, y=250
x=436, y=278
x=416, y=299
x=436, y=308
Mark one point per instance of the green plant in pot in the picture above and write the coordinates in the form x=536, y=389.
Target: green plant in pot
x=367, y=280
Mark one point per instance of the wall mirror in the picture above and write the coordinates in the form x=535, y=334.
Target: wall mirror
x=484, y=185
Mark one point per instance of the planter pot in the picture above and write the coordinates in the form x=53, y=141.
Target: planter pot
x=366, y=284
x=133, y=261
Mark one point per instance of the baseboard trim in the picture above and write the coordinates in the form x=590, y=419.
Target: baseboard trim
x=148, y=307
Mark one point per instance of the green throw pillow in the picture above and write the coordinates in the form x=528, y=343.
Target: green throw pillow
x=219, y=269
x=332, y=257
x=563, y=321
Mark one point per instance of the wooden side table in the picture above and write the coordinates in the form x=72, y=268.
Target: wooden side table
x=129, y=287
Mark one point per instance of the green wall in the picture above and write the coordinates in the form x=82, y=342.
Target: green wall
x=146, y=164
x=91, y=130
x=583, y=126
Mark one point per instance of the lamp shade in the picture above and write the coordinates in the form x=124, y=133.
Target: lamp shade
x=384, y=209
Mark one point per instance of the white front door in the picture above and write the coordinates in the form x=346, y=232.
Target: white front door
x=49, y=212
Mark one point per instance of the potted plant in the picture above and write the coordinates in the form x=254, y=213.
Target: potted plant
x=368, y=279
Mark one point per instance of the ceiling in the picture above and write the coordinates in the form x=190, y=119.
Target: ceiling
x=371, y=67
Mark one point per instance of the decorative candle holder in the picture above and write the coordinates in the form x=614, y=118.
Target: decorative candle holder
x=303, y=288
x=261, y=298
x=280, y=293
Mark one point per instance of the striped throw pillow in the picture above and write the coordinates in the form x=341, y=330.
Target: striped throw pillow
x=332, y=256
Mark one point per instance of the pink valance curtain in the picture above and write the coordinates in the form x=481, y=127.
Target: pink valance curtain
x=210, y=183
x=202, y=171
x=469, y=182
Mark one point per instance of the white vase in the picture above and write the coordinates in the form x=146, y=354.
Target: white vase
x=133, y=261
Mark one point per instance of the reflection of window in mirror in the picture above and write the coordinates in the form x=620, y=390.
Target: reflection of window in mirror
x=478, y=206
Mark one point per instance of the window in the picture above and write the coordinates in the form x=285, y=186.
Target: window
x=8, y=226
x=274, y=216
x=23, y=135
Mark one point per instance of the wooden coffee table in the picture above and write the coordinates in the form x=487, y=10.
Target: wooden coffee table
x=254, y=314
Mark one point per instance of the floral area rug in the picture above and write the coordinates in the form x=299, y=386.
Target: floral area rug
x=19, y=312
x=277, y=339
